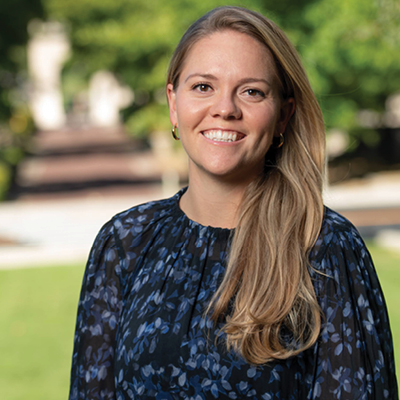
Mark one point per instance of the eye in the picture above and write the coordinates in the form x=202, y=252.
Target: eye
x=255, y=93
x=202, y=87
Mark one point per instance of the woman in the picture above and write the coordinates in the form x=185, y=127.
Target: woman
x=242, y=285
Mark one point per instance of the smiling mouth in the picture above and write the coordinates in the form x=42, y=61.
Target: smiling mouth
x=218, y=135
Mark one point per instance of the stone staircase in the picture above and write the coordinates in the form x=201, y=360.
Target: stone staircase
x=86, y=162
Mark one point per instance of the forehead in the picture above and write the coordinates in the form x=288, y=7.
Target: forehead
x=230, y=50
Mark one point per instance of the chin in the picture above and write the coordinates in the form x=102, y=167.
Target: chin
x=234, y=175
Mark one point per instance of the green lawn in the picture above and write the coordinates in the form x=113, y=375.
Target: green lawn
x=37, y=317
x=388, y=268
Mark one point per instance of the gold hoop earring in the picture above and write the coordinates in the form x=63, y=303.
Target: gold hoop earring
x=281, y=141
x=174, y=129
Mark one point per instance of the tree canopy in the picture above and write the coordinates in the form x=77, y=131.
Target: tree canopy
x=350, y=48
x=14, y=115
x=14, y=18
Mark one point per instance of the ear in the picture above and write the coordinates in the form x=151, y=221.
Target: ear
x=171, y=96
x=287, y=110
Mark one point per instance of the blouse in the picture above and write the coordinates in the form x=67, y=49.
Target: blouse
x=141, y=332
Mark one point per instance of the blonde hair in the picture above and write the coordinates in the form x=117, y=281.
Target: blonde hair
x=266, y=297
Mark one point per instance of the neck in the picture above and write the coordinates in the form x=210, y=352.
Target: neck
x=211, y=202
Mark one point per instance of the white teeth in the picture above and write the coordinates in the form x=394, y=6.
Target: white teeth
x=221, y=136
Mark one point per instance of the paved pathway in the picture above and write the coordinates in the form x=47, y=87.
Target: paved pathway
x=49, y=232
x=372, y=204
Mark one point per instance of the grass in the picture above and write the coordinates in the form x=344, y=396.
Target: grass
x=37, y=314
x=37, y=318
x=387, y=264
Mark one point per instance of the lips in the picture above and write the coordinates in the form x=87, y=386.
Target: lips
x=219, y=135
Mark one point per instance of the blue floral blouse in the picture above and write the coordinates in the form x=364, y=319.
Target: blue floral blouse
x=141, y=332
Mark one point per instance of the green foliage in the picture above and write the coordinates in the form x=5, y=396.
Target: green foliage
x=144, y=121
x=14, y=18
x=5, y=179
x=14, y=140
x=350, y=48
x=15, y=121
x=135, y=40
x=352, y=53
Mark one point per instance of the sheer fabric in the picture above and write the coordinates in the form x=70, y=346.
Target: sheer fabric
x=141, y=332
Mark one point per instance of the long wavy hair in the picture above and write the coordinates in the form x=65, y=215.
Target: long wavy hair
x=266, y=299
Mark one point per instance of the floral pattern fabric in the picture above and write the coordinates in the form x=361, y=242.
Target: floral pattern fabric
x=141, y=332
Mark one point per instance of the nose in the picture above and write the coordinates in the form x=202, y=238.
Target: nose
x=225, y=106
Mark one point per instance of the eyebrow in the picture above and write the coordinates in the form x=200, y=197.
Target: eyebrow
x=241, y=82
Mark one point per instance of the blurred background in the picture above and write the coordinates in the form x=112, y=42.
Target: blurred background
x=85, y=133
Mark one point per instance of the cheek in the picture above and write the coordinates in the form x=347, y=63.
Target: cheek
x=183, y=113
x=186, y=146
x=264, y=145
x=189, y=110
x=267, y=121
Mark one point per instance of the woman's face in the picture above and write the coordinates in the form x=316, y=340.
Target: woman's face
x=227, y=106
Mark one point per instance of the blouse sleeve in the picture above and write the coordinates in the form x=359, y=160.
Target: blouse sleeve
x=354, y=356
x=92, y=375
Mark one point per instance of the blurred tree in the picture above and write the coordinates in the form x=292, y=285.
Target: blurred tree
x=350, y=49
x=352, y=54
x=15, y=123
x=14, y=18
x=135, y=40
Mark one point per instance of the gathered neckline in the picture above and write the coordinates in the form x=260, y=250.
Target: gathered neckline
x=193, y=223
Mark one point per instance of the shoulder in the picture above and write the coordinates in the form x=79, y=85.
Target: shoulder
x=142, y=215
x=336, y=227
x=135, y=220
x=342, y=267
x=124, y=236
x=132, y=229
x=339, y=242
x=355, y=337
